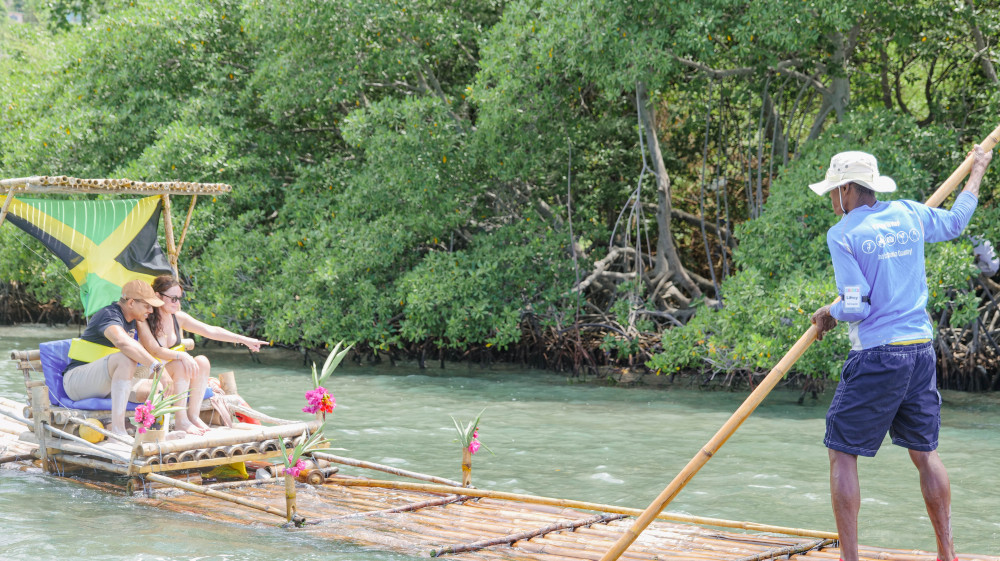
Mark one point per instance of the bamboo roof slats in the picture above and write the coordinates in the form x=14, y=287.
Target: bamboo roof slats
x=62, y=184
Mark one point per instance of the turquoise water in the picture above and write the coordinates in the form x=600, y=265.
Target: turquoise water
x=550, y=437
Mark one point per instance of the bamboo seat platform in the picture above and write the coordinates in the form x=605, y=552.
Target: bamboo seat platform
x=55, y=432
x=444, y=520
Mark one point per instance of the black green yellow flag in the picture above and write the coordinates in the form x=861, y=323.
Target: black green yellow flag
x=104, y=243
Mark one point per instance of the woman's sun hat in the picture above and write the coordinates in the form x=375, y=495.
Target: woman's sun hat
x=854, y=167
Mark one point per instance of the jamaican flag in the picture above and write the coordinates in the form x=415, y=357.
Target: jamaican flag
x=104, y=243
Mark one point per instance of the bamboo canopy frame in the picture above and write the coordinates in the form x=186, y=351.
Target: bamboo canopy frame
x=61, y=184
x=764, y=388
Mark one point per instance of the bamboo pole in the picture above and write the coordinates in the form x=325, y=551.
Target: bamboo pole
x=229, y=438
x=168, y=232
x=254, y=414
x=16, y=417
x=384, y=468
x=790, y=550
x=240, y=484
x=31, y=355
x=466, y=467
x=511, y=538
x=97, y=450
x=6, y=204
x=215, y=494
x=171, y=463
x=187, y=222
x=290, y=508
x=40, y=417
x=107, y=434
x=533, y=499
x=69, y=185
x=405, y=508
x=88, y=462
x=14, y=458
x=19, y=181
x=765, y=387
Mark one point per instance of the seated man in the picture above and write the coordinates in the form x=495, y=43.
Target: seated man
x=104, y=359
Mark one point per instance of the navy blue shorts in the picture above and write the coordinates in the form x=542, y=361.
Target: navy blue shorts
x=891, y=389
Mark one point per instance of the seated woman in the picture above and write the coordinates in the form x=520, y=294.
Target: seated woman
x=160, y=334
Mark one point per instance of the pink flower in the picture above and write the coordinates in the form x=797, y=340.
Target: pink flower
x=144, y=416
x=295, y=469
x=319, y=401
x=474, y=445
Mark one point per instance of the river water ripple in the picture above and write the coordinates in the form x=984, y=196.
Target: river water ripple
x=549, y=436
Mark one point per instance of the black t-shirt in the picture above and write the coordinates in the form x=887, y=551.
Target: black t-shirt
x=107, y=316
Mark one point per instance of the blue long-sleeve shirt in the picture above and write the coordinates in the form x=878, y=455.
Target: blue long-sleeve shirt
x=878, y=261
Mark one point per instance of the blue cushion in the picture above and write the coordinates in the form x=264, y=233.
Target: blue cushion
x=55, y=359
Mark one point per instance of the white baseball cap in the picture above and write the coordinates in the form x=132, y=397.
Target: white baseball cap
x=854, y=167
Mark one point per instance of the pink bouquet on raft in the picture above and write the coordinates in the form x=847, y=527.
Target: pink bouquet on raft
x=468, y=435
x=319, y=401
x=156, y=406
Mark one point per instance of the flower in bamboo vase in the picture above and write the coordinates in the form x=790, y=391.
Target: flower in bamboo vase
x=320, y=401
x=157, y=405
x=294, y=464
x=475, y=444
x=295, y=467
x=468, y=436
x=144, y=417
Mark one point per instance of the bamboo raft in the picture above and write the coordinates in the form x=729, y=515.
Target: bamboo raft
x=425, y=516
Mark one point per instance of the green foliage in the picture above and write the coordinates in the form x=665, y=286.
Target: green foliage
x=402, y=168
x=765, y=313
x=478, y=296
x=759, y=323
x=791, y=233
x=950, y=271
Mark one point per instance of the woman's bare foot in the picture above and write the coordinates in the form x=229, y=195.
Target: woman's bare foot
x=188, y=427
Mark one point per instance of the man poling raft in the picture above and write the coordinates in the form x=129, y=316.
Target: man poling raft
x=888, y=383
x=765, y=386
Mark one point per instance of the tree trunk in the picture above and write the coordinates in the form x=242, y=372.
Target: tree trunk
x=982, y=50
x=779, y=142
x=838, y=94
x=667, y=262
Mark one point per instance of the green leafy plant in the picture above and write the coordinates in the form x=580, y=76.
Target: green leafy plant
x=468, y=434
x=157, y=405
x=336, y=356
x=311, y=443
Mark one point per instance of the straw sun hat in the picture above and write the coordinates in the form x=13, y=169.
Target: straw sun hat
x=854, y=167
